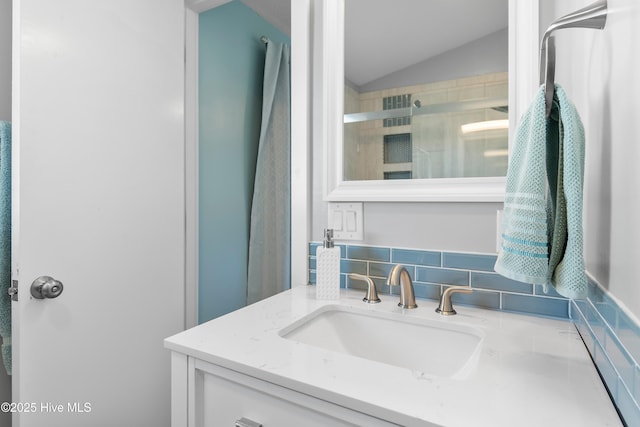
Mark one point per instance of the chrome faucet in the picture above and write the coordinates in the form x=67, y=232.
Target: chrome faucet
x=399, y=276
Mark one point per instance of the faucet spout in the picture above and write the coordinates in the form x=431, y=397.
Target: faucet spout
x=399, y=276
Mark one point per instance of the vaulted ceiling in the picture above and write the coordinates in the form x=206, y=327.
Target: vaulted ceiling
x=405, y=31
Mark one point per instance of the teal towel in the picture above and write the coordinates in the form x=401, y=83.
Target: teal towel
x=5, y=242
x=542, y=238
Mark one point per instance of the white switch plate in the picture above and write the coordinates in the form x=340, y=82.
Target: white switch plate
x=346, y=219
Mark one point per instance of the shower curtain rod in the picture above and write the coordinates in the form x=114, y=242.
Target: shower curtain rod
x=593, y=16
x=264, y=39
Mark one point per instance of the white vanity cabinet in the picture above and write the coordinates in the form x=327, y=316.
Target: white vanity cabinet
x=207, y=395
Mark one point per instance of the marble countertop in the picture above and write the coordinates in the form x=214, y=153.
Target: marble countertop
x=531, y=371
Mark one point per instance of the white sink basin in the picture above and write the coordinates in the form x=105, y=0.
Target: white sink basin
x=430, y=347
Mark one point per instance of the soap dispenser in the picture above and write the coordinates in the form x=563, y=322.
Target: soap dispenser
x=328, y=268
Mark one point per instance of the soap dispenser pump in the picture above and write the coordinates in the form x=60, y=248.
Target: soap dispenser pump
x=328, y=268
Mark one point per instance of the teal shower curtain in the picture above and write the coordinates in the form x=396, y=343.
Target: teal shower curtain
x=5, y=242
x=270, y=235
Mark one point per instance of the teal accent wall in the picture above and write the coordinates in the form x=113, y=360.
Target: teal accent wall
x=231, y=65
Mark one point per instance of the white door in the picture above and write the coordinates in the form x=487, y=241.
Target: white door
x=99, y=206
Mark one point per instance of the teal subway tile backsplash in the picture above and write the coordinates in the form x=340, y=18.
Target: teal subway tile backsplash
x=552, y=307
x=478, y=298
x=586, y=333
x=607, y=371
x=549, y=292
x=636, y=385
x=409, y=256
x=619, y=358
x=348, y=266
x=469, y=261
x=613, y=339
x=610, y=335
x=497, y=282
x=380, y=269
x=432, y=271
x=607, y=310
x=426, y=291
x=369, y=253
x=443, y=276
x=629, y=334
x=628, y=407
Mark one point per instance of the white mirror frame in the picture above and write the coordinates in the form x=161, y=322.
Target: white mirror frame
x=523, y=57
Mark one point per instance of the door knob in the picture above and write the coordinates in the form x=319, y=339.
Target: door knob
x=46, y=287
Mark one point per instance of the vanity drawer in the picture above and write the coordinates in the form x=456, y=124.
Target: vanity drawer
x=222, y=397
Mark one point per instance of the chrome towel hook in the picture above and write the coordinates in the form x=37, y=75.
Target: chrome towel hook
x=593, y=16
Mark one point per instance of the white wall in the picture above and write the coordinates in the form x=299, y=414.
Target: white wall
x=5, y=59
x=599, y=70
x=464, y=227
x=467, y=227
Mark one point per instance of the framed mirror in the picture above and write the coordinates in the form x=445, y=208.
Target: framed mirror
x=416, y=100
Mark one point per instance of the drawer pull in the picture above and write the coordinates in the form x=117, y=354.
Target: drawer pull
x=243, y=422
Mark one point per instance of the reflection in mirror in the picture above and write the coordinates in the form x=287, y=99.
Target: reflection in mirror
x=426, y=89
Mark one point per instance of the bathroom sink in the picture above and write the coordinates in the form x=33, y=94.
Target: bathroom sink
x=426, y=347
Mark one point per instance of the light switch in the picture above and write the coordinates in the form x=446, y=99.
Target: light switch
x=338, y=221
x=350, y=221
x=346, y=219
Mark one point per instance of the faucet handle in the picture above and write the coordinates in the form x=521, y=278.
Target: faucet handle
x=372, y=293
x=446, y=307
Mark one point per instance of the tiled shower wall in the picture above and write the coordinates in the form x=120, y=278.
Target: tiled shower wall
x=611, y=335
x=363, y=144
